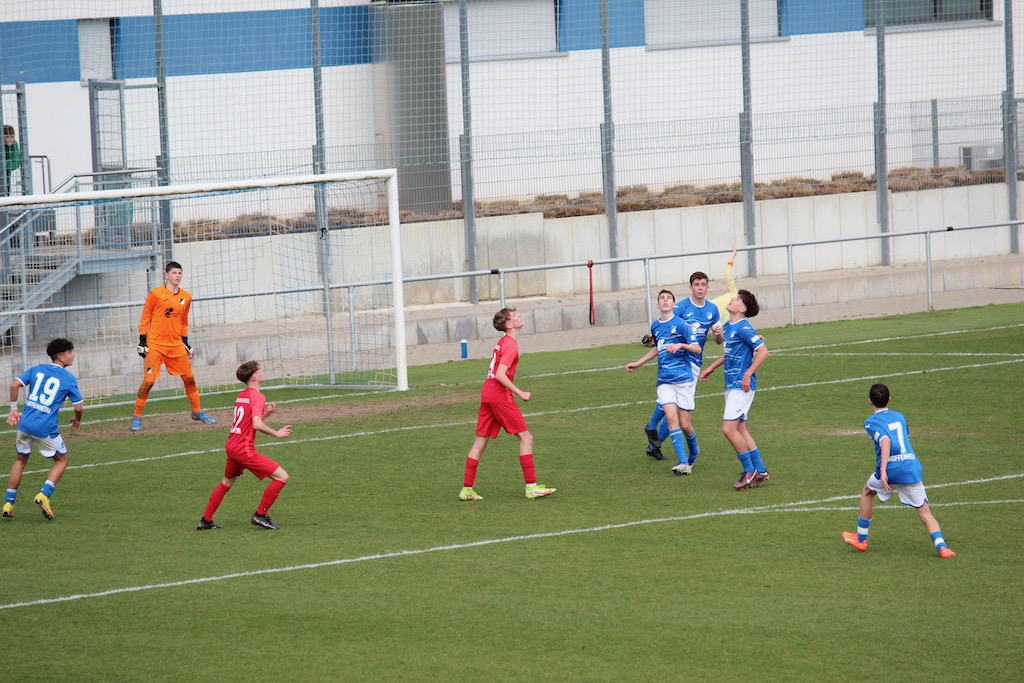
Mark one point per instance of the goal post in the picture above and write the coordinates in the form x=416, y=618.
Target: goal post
x=303, y=273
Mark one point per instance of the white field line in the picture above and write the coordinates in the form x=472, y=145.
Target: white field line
x=583, y=371
x=561, y=411
x=800, y=506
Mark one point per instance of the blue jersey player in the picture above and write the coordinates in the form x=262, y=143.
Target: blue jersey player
x=896, y=466
x=47, y=385
x=703, y=319
x=673, y=344
x=742, y=354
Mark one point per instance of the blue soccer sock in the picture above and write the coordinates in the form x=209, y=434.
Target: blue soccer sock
x=938, y=540
x=678, y=445
x=663, y=430
x=11, y=494
x=862, y=528
x=47, y=489
x=745, y=461
x=656, y=417
x=755, y=460
x=692, y=448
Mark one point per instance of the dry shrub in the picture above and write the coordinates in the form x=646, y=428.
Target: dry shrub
x=907, y=171
x=721, y=193
x=994, y=175
x=786, y=188
x=679, y=196
x=587, y=203
x=500, y=207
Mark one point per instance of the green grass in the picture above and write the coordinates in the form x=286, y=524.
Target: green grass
x=627, y=573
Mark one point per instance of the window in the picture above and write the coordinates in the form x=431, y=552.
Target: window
x=501, y=29
x=676, y=23
x=903, y=12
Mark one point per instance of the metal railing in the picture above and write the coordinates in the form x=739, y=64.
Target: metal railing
x=788, y=246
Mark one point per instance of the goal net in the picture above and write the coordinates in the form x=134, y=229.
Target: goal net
x=300, y=273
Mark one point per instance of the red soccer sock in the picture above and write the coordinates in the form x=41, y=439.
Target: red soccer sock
x=529, y=473
x=215, y=500
x=470, y=476
x=269, y=496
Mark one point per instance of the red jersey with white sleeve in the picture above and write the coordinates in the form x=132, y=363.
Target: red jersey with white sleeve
x=242, y=435
x=506, y=352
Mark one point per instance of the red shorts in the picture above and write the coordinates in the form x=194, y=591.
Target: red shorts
x=493, y=417
x=257, y=463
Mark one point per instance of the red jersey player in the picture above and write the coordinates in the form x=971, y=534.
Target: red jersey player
x=498, y=409
x=250, y=408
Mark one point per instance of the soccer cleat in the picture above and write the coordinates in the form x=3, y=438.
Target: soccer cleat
x=538, y=491
x=203, y=524
x=44, y=505
x=467, y=493
x=851, y=539
x=8, y=509
x=746, y=480
x=136, y=424
x=655, y=453
x=681, y=468
x=263, y=521
x=652, y=438
x=206, y=419
x=761, y=477
x=944, y=553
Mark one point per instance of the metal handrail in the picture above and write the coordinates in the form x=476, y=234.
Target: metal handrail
x=45, y=168
x=75, y=176
x=502, y=272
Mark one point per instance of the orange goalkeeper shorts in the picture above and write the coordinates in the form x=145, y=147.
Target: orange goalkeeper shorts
x=174, y=359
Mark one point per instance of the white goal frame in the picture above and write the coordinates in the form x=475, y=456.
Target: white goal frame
x=389, y=176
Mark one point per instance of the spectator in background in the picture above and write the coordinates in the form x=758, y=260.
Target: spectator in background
x=12, y=157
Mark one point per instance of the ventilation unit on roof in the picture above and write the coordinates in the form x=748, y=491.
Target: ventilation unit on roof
x=981, y=157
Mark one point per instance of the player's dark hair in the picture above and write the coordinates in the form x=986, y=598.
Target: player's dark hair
x=750, y=302
x=879, y=395
x=58, y=346
x=698, y=275
x=667, y=291
x=246, y=370
x=502, y=317
x=172, y=264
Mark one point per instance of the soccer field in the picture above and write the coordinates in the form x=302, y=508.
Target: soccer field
x=627, y=573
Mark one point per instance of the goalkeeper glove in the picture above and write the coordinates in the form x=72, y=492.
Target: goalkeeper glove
x=647, y=340
x=143, y=349
x=188, y=349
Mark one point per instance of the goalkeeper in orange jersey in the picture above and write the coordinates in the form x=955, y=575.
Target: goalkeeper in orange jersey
x=163, y=340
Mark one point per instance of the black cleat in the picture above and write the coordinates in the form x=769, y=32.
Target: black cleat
x=652, y=438
x=655, y=453
x=263, y=521
x=203, y=524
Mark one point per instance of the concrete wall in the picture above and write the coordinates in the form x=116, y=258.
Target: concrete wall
x=436, y=248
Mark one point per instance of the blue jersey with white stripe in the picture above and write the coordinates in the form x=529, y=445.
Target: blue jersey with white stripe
x=47, y=385
x=700, y=319
x=673, y=368
x=741, y=340
x=903, y=466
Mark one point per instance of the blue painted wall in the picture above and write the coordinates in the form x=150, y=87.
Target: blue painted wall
x=237, y=42
x=801, y=17
x=579, y=24
x=39, y=51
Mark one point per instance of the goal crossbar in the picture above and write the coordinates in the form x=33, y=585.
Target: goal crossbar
x=158, y=193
